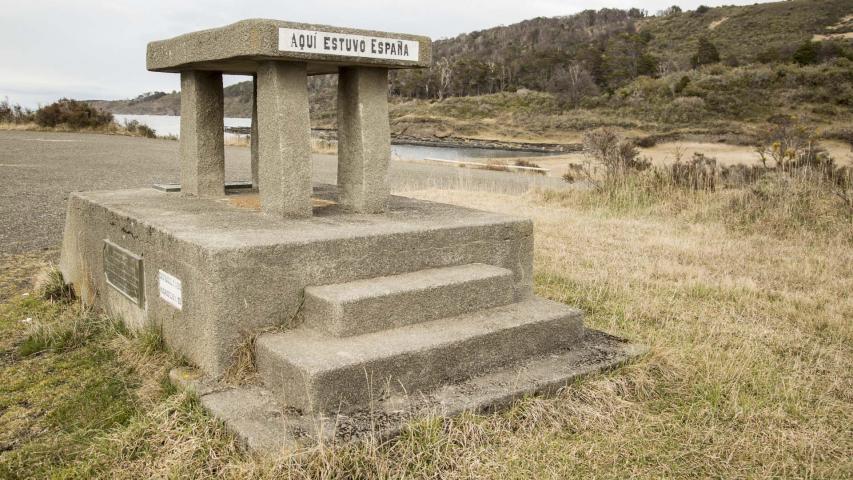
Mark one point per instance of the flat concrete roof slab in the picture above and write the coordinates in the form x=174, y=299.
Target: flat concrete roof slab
x=239, y=48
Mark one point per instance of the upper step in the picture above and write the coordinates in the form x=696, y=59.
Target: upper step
x=317, y=372
x=372, y=305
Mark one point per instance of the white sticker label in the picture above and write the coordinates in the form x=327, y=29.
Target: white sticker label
x=170, y=289
x=329, y=43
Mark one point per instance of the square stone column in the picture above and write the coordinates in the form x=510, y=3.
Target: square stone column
x=364, y=138
x=253, y=138
x=202, y=130
x=284, y=139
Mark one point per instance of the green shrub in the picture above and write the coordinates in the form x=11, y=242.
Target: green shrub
x=807, y=53
x=706, y=53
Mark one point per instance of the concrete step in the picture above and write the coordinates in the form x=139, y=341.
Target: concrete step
x=316, y=372
x=365, y=306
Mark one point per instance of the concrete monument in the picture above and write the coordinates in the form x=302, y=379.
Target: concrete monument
x=359, y=308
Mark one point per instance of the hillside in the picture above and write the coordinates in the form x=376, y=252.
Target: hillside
x=711, y=69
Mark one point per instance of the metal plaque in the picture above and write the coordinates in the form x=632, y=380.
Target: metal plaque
x=123, y=270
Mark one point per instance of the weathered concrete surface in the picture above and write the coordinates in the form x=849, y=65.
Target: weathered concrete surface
x=243, y=271
x=364, y=138
x=202, y=130
x=371, y=305
x=316, y=372
x=284, y=139
x=253, y=138
x=259, y=421
x=237, y=49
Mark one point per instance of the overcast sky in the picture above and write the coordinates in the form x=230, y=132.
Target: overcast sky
x=95, y=49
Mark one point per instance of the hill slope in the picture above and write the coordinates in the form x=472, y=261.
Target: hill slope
x=611, y=67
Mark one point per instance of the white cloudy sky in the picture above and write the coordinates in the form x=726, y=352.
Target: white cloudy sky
x=96, y=48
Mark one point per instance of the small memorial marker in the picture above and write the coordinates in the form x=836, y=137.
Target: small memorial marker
x=170, y=289
x=123, y=271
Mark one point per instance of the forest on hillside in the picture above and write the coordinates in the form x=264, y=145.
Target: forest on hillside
x=672, y=68
x=596, y=52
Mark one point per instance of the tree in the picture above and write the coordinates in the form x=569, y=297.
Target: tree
x=573, y=83
x=625, y=59
x=807, y=53
x=673, y=10
x=706, y=53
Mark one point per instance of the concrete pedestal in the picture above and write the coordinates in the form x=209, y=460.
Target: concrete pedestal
x=242, y=271
x=364, y=138
x=284, y=139
x=253, y=138
x=423, y=308
x=202, y=130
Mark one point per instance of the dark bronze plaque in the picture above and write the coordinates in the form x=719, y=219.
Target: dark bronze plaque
x=123, y=270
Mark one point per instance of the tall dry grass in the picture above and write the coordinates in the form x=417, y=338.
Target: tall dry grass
x=748, y=375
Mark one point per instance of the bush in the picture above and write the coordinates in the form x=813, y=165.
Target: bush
x=684, y=110
x=807, y=53
x=141, y=129
x=790, y=145
x=706, y=53
x=14, y=113
x=700, y=173
x=72, y=113
x=527, y=163
x=646, y=142
x=617, y=155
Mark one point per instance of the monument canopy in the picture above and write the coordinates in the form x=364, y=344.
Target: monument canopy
x=240, y=47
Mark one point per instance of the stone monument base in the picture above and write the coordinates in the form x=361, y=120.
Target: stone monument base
x=351, y=320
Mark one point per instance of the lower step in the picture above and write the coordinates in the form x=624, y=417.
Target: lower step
x=316, y=372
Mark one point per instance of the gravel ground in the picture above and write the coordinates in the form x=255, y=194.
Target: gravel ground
x=38, y=170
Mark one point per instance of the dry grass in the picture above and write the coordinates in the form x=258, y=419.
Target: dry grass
x=748, y=375
x=109, y=129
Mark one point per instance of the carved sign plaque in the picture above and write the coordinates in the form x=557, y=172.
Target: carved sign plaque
x=123, y=270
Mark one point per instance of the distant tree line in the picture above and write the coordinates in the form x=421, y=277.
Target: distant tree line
x=575, y=56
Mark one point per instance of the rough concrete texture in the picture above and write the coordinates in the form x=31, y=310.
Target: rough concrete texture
x=243, y=271
x=371, y=305
x=316, y=372
x=261, y=423
x=253, y=137
x=202, y=130
x=364, y=138
x=239, y=47
x=284, y=139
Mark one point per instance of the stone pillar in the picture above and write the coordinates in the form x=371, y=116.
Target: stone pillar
x=284, y=139
x=364, y=138
x=254, y=133
x=202, y=130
